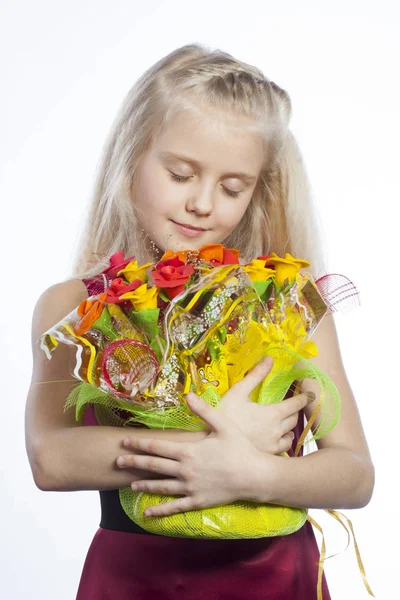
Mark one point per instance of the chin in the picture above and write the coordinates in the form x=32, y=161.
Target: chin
x=188, y=244
x=176, y=243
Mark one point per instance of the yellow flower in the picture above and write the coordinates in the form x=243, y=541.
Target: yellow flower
x=143, y=297
x=132, y=271
x=286, y=268
x=257, y=270
x=241, y=354
x=291, y=333
x=308, y=350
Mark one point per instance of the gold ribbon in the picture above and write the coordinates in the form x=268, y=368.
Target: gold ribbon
x=321, y=557
x=338, y=516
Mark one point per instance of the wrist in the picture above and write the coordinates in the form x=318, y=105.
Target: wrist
x=263, y=478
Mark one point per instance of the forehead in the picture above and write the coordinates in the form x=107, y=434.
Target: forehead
x=214, y=139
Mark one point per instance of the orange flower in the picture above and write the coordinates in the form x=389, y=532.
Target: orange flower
x=89, y=311
x=169, y=254
x=216, y=254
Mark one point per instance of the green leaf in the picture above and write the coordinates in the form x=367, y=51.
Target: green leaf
x=277, y=288
x=214, y=349
x=261, y=286
x=147, y=320
x=105, y=325
x=222, y=334
x=267, y=294
x=163, y=296
x=286, y=286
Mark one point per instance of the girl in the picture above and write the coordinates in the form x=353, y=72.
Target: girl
x=200, y=152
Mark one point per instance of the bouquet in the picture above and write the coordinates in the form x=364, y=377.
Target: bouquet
x=196, y=321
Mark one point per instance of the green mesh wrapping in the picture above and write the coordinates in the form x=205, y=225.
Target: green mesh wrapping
x=238, y=519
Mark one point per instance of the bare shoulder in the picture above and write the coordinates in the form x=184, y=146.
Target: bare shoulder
x=54, y=303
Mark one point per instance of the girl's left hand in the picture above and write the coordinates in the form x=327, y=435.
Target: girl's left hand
x=217, y=470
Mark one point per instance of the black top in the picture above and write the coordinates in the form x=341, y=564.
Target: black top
x=113, y=515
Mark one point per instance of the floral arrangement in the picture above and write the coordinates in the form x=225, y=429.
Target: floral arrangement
x=195, y=321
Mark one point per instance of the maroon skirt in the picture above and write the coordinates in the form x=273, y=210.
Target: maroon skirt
x=130, y=566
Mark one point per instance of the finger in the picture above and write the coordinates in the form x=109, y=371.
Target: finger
x=172, y=508
x=285, y=443
x=296, y=403
x=289, y=423
x=255, y=376
x=164, y=448
x=150, y=463
x=217, y=420
x=165, y=487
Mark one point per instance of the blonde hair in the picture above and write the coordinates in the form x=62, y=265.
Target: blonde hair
x=281, y=216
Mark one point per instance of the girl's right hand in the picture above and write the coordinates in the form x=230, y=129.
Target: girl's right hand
x=267, y=426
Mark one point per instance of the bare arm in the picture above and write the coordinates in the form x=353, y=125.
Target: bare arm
x=64, y=455
x=84, y=458
x=336, y=478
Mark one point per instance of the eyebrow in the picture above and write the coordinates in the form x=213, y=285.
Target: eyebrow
x=191, y=161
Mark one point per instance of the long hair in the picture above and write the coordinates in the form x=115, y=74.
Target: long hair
x=281, y=216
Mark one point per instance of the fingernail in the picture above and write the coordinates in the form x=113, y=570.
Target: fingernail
x=120, y=461
x=311, y=396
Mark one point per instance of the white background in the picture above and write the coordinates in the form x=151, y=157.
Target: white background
x=65, y=68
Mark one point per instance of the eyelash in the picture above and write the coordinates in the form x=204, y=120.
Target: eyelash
x=183, y=179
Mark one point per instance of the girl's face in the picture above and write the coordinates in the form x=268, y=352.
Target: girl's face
x=195, y=182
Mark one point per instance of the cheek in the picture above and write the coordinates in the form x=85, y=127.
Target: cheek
x=230, y=214
x=155, y=194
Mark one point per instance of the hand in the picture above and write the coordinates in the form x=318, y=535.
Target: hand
x=217, y=470
x=268, y=426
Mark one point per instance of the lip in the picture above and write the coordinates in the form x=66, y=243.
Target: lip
x=189, y=230
x=189, y=226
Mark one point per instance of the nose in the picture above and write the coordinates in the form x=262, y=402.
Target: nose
x=201, y=202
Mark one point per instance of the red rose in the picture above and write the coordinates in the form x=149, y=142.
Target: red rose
x=118, y=287
x=171, y=276
x=117, y=263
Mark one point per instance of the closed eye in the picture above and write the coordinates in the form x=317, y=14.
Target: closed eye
x=182, y=179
